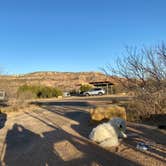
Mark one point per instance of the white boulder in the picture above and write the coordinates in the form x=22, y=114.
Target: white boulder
x=107, y=134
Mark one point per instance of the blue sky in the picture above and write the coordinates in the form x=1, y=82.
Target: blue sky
x=75, y=35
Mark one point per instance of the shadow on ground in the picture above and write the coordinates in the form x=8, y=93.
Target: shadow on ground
x=74, y=110
x=24, y=147
x=77, y=111
x=3, y=118
x=62, y=103
x=154, y=138
x=156, y=120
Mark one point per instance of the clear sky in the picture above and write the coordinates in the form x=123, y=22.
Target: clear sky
x=75, y=35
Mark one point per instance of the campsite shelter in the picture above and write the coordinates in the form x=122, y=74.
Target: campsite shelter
x=107, y=85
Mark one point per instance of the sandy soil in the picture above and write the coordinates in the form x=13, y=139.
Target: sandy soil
x=56, y=134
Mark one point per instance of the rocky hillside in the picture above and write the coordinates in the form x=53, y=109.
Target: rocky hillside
x=64, y=80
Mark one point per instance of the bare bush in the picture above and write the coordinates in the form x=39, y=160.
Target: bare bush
x=144, y=72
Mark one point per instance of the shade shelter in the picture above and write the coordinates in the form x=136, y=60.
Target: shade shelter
x=107, y=85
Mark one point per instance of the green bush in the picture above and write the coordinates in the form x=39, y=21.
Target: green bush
x=32, y=91
x=85, y=87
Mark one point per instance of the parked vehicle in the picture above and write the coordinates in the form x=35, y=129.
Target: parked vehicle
x=94, y=91
x=66, y=94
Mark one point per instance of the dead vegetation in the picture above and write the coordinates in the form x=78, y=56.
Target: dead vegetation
x=17, y=105
x=144, y=73
x=100, y=114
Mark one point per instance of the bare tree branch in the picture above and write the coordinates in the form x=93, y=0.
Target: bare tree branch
x=144, y=71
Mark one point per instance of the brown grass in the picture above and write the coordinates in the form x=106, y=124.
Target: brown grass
x=105, y=113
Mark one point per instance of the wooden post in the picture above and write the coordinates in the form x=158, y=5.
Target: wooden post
x=107, y=88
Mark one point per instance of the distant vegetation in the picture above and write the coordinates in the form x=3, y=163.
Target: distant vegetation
x=118, y=89
x=32, y=91
x=67, y=81
x=85, y=87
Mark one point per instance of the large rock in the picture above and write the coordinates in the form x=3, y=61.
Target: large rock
x=99, y=114
x=107, y=134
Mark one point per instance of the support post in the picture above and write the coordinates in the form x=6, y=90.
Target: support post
x=107, y=88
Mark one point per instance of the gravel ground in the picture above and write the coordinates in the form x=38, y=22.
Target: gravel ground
x=56, y=134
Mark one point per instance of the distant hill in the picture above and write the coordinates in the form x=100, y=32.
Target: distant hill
x=64, y=80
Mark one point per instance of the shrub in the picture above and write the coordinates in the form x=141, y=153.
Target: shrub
x=85, y=87
x=117, y=89
x=26, y=95
x=100, y=114
x=32, y=91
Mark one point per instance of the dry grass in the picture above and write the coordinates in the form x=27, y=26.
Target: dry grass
x=105, y=113
x=17, y=106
